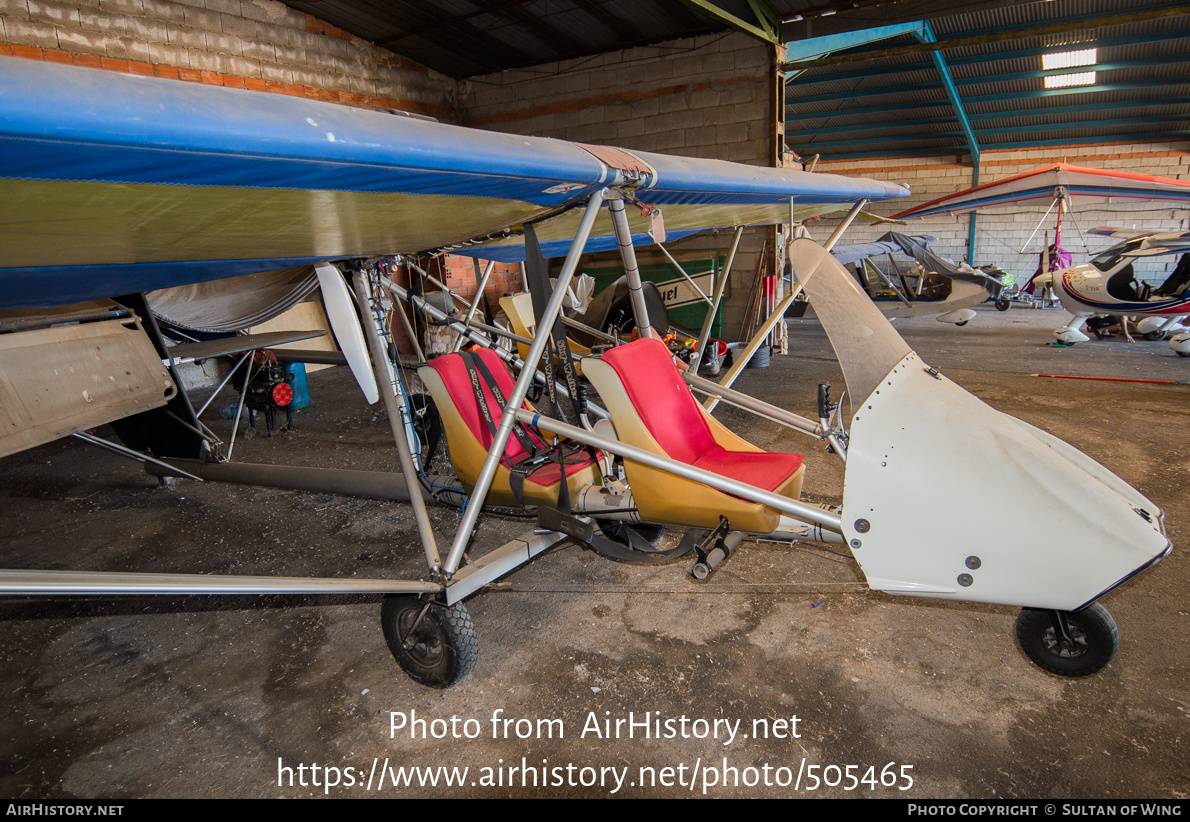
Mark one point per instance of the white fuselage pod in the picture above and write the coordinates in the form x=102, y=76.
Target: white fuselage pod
x=944, y=496
x=1083, y=290
x=931, y=471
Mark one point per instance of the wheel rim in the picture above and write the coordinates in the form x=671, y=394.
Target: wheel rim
x=422, y=645
x=1078, y=645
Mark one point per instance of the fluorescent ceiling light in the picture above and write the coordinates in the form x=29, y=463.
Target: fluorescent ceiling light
x=1068, y=59
x=1086, y=78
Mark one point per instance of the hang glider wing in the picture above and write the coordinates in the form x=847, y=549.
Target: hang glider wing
x=113, y=183
x=1090, y=185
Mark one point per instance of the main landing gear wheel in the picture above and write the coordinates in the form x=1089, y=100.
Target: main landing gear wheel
x=1068, y=643
x=434, y=644
x=634, y=543
x=1003, y=304
x=1153, y=336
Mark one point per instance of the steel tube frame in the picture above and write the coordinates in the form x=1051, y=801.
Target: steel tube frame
x=510, y=358
x=71, y=583
x=484, y=481
x=398, y=420
x=219, y=387
x=749, y=403
x=720, y=288
x=779, y=311
x=682, y=271
x=235, y=425
x=758, y=338
x=640, y=311
x=130, y=453
x=495, y=564
x=808, y=513
x=483, y=283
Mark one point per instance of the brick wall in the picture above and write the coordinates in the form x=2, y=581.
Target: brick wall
x=459, y=276
x=255, y=44
x=999, y=236
x=699, y=97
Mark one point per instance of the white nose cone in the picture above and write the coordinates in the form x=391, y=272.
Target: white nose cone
x=959, y=317
x=1181, y=343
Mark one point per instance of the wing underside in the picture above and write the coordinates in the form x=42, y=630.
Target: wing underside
x=113, y=183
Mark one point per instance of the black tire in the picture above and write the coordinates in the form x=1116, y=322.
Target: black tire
x=1182, y=353
x=627, y=539
x=1093, y=631
x=1003, y=304
x=441, y=649
x=964, y=322
x=1154, y=336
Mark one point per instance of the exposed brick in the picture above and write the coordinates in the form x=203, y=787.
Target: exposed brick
x=87, y=61
x=28, y=52
x=56, y=56
x=255, y=84
x=169, y=72
x=232, y=81
x=190, y=75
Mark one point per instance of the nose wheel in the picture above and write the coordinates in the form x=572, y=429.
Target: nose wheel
x=1068, y=643
x=434, y=644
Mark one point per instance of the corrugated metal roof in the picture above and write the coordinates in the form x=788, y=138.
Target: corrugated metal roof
x=1142, y=79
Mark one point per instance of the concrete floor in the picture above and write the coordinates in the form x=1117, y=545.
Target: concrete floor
x=174, y=697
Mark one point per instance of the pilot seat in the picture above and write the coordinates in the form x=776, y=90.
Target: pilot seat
x=530, y=465
x=652, y=408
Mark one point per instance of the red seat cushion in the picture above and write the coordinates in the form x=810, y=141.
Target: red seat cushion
x=669, y=411
x=453, y=372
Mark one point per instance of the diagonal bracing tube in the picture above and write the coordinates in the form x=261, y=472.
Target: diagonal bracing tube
x=484, y=481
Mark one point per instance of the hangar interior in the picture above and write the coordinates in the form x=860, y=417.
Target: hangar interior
x=172, y=696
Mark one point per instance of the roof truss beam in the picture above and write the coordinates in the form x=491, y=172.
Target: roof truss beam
x=768, y=30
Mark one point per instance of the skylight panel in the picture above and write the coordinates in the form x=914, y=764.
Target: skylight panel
x=1085, y=78
x=1069, y=59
